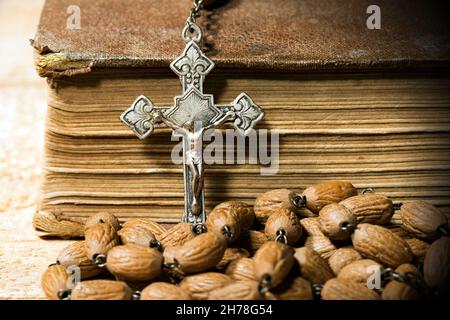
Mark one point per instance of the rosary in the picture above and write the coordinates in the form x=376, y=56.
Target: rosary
x=248, y=252
x=191, y=114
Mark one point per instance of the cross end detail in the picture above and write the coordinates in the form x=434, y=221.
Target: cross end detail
x=243, y=114
x=142, y=117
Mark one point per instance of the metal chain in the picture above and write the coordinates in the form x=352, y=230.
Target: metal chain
x=281, y=236
x=100, y=260
x=156, y=244
x=444, y=230
x=64, y=294
x=174, y=271
x=136, y=295
x=408, y=278
x=317, y=290
x=226, y=231
x=347, y=227
x=298, y=200
x=368, y=190
x=265, y=284
x=195, y=11
x=198, y=228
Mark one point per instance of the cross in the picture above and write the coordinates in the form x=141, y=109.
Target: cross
x=190, y=115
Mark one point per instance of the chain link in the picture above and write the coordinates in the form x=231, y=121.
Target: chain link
x=265, y=284
x=226, y=231
x=136, y=295
x=368, y=190
x=298, y=200
x=156, y=244
x=408, y=278
x=444, y=230
x=64, y=294
x=198, y=228
x=100, y=260
x=192, y=31
x=195, y=11
x=281, y=236
x=317, y=290
x=347, y=227
x=174, y=271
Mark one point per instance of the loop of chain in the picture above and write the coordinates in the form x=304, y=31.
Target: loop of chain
x=265, y=284
x=100, y=260
x=198, y=228
x=175, y=276
x=195, y=11
x=347, y=227
x=64, y=294
x=174, y=271
x=226, y=231
x=386, y=274
x=317, y=290
x=192, y=31
x=408, y=278
x=298, y=200
x=172, y=265
x=444, y=231
x=156, y=244
x=368, y=190
x=136, y=295
x=281, y=236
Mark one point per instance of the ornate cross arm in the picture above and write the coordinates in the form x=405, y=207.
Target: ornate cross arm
x=142, y=117
x=242, y=114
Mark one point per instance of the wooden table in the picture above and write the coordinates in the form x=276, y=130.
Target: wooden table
x=23, y=255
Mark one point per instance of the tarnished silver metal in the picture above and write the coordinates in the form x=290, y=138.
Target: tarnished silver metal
x=191, y=114
x=199, y=228
x=136, y=295
x=317, y=290
x=409, y=278
x=64, y=294
x=192, y=32
x=347, y=227
x=155, y=244
x=281, y=236
x=195, y=10
x=368, y=190
x=298, y=200
x=265, y=284
x=444, y=230
x=100, y=260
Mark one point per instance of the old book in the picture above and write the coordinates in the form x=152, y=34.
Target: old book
x=368, y=106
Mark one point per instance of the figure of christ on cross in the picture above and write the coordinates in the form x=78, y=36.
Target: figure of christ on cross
x=191, y=114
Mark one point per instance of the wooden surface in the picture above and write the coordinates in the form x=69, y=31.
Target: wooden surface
x=23, y=256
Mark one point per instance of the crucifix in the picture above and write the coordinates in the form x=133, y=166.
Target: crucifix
x=190, y=115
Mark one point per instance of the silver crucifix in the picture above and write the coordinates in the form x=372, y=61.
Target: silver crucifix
x=191, y=114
